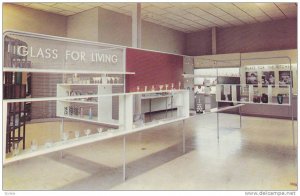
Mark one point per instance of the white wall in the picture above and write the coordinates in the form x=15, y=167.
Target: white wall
x=26, y=19
x=83, y=25
x=114, y=28
x=96, y=24
x=159, y=38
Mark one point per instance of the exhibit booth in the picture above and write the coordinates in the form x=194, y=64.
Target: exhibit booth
x=53, y=84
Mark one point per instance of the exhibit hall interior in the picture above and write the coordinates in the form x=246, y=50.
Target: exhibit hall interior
x=149, y=96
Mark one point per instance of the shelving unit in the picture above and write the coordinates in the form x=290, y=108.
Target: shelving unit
x=86, y=118
x=64, y=84
x=62, y=145
x=103, y=113
x=247, y=96
x=61, y=71
x=102, y=98
x=124, y=125
x=78, y=101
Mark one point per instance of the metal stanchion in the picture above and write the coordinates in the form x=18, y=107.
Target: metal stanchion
x=124, y=158
x=183, y=137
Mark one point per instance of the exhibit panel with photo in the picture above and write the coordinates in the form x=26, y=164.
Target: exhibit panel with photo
x=251, y=77
x=268, y=78
x=285, y=78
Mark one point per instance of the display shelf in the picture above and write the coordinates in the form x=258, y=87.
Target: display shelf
x=62, y=71
x=213, y=110
x=125, y=122
x=243, y=102
x=198, y=76
x=158, y=91
x=78, y=101
x=93, y=120
x=114, y=84
x=84, y=96
x=235, y=93
x=152, y=124
x=62, y=145
x=210, y=85
x=216, y=110
x=206, y=76
x=156, y=97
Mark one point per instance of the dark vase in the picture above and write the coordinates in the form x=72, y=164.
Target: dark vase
x=264, y=98
x=223, y=97
x=256, y=99
x=280, y=98
x=229, y=97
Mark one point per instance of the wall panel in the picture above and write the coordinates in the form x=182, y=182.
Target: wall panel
x=152, y=68
x=275, y=35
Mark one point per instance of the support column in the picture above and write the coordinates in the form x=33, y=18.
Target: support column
x=124, y=158
x=137, y=43
x=136, y=26
x=214, y=40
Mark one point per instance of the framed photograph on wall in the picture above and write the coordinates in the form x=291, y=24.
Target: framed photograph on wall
x=251, y=78
x=285, y=78
x=268, y=78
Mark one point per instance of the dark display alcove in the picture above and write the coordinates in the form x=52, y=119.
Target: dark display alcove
x=229, y=80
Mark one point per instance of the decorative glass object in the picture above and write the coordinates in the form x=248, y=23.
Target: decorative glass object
x=90, y=114
x=33, y=145
x=65, y=136
x=152, y=89
x=179, y=85
x=264, y=98
x=280, y=98
x=48, y=143
x=76, y=111
x=87, y=132
x=145, y=88
x=161, y=87
x=137, y=88
x=77, y=134
x=172, y=86
x=70, y=110
x=65, y=110
x=100, y=130
x=81, y=112
x=15, y=149
x=166, y=85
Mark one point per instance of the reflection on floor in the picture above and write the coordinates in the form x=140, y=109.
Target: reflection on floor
x=259, y=156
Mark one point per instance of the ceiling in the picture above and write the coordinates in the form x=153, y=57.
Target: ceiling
x=185, y=17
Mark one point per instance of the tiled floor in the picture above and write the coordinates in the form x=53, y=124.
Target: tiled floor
x=260, y=156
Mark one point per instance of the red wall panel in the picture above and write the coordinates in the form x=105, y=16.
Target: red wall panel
x=152, y=68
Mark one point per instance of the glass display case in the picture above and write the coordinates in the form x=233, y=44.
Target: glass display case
x=77, y=96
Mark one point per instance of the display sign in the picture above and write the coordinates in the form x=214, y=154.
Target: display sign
x=48, y=52
x=53, y=53
x=267, y=67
